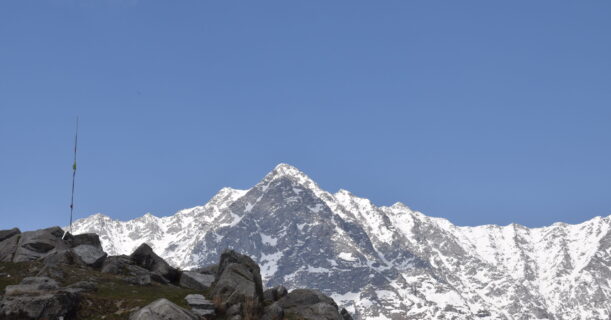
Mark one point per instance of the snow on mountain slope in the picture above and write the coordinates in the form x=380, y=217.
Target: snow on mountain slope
x=383, y=262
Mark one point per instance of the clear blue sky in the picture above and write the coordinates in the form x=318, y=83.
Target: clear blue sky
x=476, y=111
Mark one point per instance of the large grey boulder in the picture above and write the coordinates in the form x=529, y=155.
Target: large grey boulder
x=209, y=269
x=56, y=305
x=87, y=238
x=5, y=234
x=31, y=285
x=200, y=305
x=34, y=245
x=90, y=255
x=147, y=259
x=196, y=281
x=38, y=298
x=84, y=254
x=310, y=305
x=238, y=282
x=8, y=247
x=58, y=257
x=125, y=265
x=117, y=264
x=163, y=309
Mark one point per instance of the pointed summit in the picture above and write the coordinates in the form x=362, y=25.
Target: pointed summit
x=286, y=170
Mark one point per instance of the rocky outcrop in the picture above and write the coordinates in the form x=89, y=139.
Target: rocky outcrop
x=310, y=305
x=52, y=245
x=91, y=239
x=163, y=309
x=234, y=286
x=58, y=257
x=146, y=258
x=8, y=247
x=126, y=267
x=34, y=245
x=38, y=298
x=209, y=269
x=90, y=255
x=238, y=289
x=196, y=281
x=5, y=234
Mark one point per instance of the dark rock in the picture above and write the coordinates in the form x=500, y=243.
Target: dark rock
x=91, y=239
x=146, y=258
x=90, y=255
x=483, y=313
x=281, y=292
x=163, y=309
x=196, y=281
x=274, y=294
x=238, y=281
x=159, y=278
x=209, y=269
x=345, y=314
x=269, y=296
x=273, y=312
x=5, y=234
x=34, y=245
x=310, y=305
x=8, y=248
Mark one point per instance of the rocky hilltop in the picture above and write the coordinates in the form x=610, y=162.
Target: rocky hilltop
x=383, y=262
x=46, y=274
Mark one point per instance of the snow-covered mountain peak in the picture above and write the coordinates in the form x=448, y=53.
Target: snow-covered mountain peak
x=297, y=177
x=400, y=205
x=284, y=170
x=387, y=262
x=98, y=216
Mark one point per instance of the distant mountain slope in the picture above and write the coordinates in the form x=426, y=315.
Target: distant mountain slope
x=383, y=262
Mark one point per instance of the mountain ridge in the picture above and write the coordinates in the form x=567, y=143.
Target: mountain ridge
x=387, y=262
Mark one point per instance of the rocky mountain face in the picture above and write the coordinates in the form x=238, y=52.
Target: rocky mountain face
x=383, y=262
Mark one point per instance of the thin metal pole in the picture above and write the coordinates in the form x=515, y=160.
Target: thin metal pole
x=73, y=177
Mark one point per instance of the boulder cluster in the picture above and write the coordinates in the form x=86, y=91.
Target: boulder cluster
x=232, y=290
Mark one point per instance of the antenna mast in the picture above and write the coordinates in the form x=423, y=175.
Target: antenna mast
x=73, y=178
